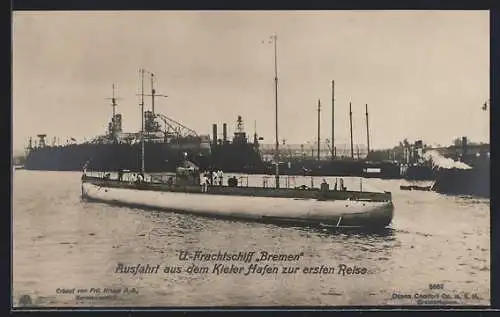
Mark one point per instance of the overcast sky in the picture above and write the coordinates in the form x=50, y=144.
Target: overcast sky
x=423, y=74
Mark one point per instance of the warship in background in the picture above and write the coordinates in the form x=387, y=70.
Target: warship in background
x=167, y=142
x=118, y=150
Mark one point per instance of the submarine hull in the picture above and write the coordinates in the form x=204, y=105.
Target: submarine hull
x=307, y=211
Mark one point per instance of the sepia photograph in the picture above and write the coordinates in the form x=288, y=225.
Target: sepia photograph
x=185, y=159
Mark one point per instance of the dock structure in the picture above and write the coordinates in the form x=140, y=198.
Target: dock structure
x=309, y=150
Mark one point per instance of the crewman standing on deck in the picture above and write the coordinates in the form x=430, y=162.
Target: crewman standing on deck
x=324, y=186
x=204, y=183
x=210, y=177
x=140, y=178
x=84, y=175
x=214, y=178
x=220, y=177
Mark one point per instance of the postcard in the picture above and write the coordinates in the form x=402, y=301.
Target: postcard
x=250, y=158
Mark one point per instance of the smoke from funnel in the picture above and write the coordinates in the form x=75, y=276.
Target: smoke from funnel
x=439, y=161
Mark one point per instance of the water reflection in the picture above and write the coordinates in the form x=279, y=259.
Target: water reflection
x=328, y=231
x=180, y=224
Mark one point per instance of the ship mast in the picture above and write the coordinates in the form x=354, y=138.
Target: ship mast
x=333, y=119
x=114, y=105
x=319, y=123
x=142, y=121
x=153, y=94
x=367, y=130
x=276, y=154
x=255, y=141
x=350, y=125
x=113, y=101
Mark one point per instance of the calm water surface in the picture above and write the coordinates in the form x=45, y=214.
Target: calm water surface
x=60, y=241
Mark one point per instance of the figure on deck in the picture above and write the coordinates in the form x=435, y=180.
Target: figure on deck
x=210, y=177
x=232, y=182
x=140, y=178
x=133, y=178
x=324, y=186
x=342, y=188
x=84, y=175
x=214, y=177
x=220, y=177
x=204, y=183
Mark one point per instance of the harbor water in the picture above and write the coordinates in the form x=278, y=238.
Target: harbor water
x=438, y=246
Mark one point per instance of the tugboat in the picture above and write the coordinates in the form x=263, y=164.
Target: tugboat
x=186, y=192
x=468, y=177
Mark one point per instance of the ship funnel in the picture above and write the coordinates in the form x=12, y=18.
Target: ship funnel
x=224, y=132
x=464, y=146
x=214, y=132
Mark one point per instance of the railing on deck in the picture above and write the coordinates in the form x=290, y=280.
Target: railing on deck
x=161, y=182
x=290, y=181
x=287, y=181
x=241, y=179
x=162, y=178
